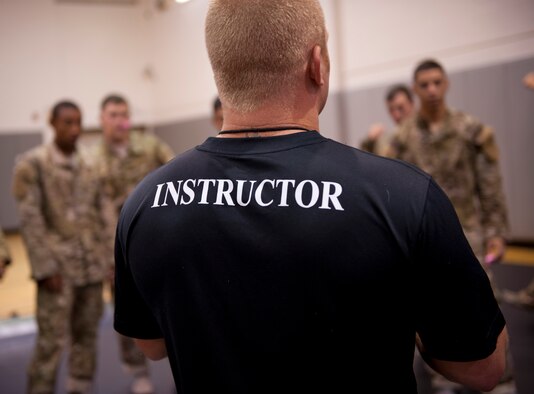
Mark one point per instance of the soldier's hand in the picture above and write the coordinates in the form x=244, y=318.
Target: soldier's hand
x=53, y=283
x=495, y=248
x=529, y=80
x=375, y=131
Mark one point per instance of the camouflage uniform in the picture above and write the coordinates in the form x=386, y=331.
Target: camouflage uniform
x=378, y=146
x=119, y=173
x=59, y=208
x=463, y=158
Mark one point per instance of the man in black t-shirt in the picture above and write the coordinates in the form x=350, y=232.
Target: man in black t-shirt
x=270, y=259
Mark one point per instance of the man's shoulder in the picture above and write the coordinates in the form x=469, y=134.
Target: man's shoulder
x=33, y=156
x=463, y=120
x=146, y=139
x=29, y=168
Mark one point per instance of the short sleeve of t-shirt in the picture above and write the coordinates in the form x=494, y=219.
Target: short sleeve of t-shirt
x=132, y=316
x=458, y=316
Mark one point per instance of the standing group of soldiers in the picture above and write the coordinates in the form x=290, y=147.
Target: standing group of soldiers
x=461, y=154
x=68, y=201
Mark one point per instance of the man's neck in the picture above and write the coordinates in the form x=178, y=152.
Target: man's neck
x=64, y=151
x=433, y=115
x=254, y=123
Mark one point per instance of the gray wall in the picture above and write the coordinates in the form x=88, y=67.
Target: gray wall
x=186, y=135
x=494, y=94
x=10, y=146
x=497, y=96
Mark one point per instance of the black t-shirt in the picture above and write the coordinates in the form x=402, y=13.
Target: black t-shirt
x=298, y=264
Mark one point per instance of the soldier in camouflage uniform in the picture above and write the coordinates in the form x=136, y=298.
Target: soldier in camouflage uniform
x=461, y=154
x=400, y=105
x=122, y=158
x=5, y=257
x=59, y=207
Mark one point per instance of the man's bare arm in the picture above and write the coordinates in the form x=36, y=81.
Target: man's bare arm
x=480, y=375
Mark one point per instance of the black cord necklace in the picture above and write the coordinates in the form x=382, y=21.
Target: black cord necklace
x=264, y=129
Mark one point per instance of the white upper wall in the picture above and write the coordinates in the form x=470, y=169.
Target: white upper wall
x=51, y=51
x=183, y=81
x=157, y=59
x=383, y=40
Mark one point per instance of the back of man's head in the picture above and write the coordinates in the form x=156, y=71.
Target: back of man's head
x=258, y=47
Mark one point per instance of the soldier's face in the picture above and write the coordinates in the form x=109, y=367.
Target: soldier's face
x=431, y=86
x=400, y=107
x=115, y=122
x=67, y=127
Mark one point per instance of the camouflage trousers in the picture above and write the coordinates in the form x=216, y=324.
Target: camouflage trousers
x=133, y=360
x=70, y=317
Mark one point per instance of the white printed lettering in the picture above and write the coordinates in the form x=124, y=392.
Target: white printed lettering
x=333, y=197
x=173, y=191
x=314, y=196
x=189, y=191
x=240, y=184
x=205, y=186
x=283, y=196
x=156, y=197
x=221, y=192
x=259, y=190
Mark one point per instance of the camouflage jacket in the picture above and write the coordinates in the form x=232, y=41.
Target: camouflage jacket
x=58, y=201
x=463, y=158
x=120, y=172
x=4, y=251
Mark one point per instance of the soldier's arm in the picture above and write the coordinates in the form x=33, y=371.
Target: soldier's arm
x=35, y=232
x=108, y=218
x=494, y=215
x=375, y=132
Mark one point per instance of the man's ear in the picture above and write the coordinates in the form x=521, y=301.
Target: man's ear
x=315, y=70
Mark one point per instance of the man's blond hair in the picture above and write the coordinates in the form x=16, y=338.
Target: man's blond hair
x=258, y=48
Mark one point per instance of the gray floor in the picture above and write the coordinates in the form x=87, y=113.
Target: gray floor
x=16, y=348
x=15, y=353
